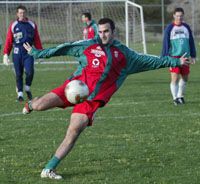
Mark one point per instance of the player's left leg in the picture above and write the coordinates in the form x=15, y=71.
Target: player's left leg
x=78, y=123
x=182, y=85
x=29, y=71
x=185, y=70
x=82, y=116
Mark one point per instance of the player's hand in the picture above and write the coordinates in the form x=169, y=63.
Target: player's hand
x=184, y=60
x=27, y=47
x=6, y=60
x=193, y=61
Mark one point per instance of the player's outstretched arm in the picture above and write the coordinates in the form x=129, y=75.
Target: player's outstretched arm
x=142, y=62
x=70, y=48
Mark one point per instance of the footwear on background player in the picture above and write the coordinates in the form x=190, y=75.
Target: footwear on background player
x=19, y=32
x=178, y=40
x=104, y=64
x=90, y=29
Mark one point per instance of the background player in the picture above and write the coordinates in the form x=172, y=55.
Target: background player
x=90, y=27
x=178, y=40
x=104, y=64
x=20, y=31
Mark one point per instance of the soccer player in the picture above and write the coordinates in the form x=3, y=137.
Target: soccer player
x=104, y=64
x=90, y=30
x=178, y=40
x=21, y=31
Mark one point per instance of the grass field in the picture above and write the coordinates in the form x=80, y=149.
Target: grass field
x=140, y=137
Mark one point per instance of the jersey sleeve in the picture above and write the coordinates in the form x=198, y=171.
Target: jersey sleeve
x=141, y=62
x=37, y=41
x=71, y=49
x=95, y=30
x=166, y=41
x=191, y=42
x=9, y=41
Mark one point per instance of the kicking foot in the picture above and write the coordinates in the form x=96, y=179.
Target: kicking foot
x=26, y=109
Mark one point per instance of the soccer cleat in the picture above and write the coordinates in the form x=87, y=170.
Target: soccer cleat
x=29, y=95
x=181, y=100
x=26, y=109
x=176, y=102
x=48, y=173
x=20, y=99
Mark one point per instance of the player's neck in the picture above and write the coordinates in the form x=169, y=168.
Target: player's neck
x=177, y=23
x=23, y=20
x=89, y=22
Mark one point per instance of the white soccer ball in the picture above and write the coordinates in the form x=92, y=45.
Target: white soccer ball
x=76, y=91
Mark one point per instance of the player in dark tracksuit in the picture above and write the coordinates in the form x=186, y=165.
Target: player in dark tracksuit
x=21, y=31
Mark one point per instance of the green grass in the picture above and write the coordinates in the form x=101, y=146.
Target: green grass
x=139, y=137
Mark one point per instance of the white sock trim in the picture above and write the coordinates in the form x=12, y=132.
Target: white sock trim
x=27, y=88
x=20, y=93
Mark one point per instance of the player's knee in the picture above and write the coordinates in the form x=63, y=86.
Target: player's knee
x=29, y=74
x=18, y=77
x=78, y=122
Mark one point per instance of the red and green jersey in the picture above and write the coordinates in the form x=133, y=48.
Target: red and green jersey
x=105, y=67
x=90, y=31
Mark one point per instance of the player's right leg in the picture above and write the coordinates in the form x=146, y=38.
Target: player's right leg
x=174, y=84
x=48, y=101
x=19, y=69
x=56, y=98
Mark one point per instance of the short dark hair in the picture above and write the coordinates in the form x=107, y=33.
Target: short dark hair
x=21, y=7
x=109, y=21
x=88, y=15
x=179, y=9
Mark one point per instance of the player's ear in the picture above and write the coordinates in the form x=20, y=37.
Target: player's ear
x=113, y=32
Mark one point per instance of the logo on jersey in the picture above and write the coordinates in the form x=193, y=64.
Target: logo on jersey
x=116, y=54
x=16, y=50
x=98, y=52
x=95, y=63
x=18, y=36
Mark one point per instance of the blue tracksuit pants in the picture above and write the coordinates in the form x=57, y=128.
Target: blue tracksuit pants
x=23, y=62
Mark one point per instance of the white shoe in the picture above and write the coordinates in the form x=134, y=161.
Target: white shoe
x=48, y=173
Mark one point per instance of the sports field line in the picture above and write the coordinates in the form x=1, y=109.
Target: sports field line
x=117, y=117
x=114, y=117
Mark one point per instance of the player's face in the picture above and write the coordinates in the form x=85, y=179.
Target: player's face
x=178, y=18
x=105, y=33
x=21, y=14
x=84, y=19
